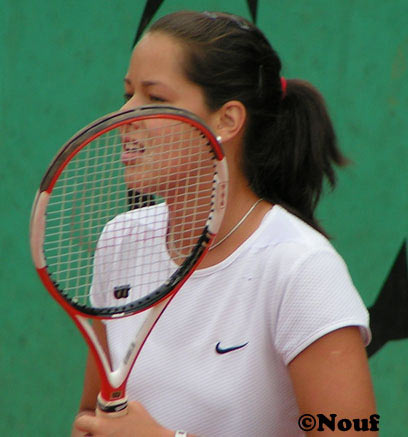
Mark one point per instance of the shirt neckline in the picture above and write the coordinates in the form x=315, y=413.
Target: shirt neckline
x=244, y=246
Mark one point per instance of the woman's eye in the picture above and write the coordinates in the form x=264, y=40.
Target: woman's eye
x=151, y=98
x=156, y=99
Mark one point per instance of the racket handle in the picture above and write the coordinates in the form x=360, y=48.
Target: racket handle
x=111, y=409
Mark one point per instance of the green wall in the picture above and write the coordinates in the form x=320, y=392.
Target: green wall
x=61, y=66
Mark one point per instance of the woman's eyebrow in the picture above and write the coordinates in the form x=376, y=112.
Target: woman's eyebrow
x=147, y=83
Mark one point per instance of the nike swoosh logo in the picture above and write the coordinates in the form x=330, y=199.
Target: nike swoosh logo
x=222, y=350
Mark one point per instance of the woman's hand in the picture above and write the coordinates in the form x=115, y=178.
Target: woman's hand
x=137, y=423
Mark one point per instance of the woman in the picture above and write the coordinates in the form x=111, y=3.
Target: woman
x=270, y=327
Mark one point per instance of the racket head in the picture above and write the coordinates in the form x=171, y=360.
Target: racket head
x=143, y=190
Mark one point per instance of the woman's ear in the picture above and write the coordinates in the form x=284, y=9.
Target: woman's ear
x=231, y=119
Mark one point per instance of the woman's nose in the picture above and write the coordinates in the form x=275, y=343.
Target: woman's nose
x=132, y=103
x=128, y=105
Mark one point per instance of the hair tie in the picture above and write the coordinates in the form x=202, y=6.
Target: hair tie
x=284, y=86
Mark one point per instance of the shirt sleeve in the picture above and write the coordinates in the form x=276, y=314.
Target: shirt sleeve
x=319, y=297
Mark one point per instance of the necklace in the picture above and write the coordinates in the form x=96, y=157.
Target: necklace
x=237, y=225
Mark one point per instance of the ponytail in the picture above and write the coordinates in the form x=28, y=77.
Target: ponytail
x=287, y=157
x=289, y=145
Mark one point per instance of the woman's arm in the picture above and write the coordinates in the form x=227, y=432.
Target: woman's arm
x=91, y=379
x=332, y=376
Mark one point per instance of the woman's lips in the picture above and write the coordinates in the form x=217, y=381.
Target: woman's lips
x=131, y=151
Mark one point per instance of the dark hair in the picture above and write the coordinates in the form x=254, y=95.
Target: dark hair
x=289, y=145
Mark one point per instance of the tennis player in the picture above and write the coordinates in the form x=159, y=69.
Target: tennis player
x=271, y=326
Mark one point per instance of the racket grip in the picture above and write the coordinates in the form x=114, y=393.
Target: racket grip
x=111, y=409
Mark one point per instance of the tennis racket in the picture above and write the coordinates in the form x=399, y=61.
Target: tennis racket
x=123, y=216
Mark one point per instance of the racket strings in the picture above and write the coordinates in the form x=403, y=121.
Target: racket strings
x=101, y=253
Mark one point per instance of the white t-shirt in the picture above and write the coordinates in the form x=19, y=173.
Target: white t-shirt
x=281, y=290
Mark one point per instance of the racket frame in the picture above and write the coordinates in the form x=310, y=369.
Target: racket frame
x=112, y=398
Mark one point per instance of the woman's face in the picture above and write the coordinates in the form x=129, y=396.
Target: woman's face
x=153, y=150
x=156, y=76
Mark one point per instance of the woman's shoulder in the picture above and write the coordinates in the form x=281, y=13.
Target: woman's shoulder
x=283, y=231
